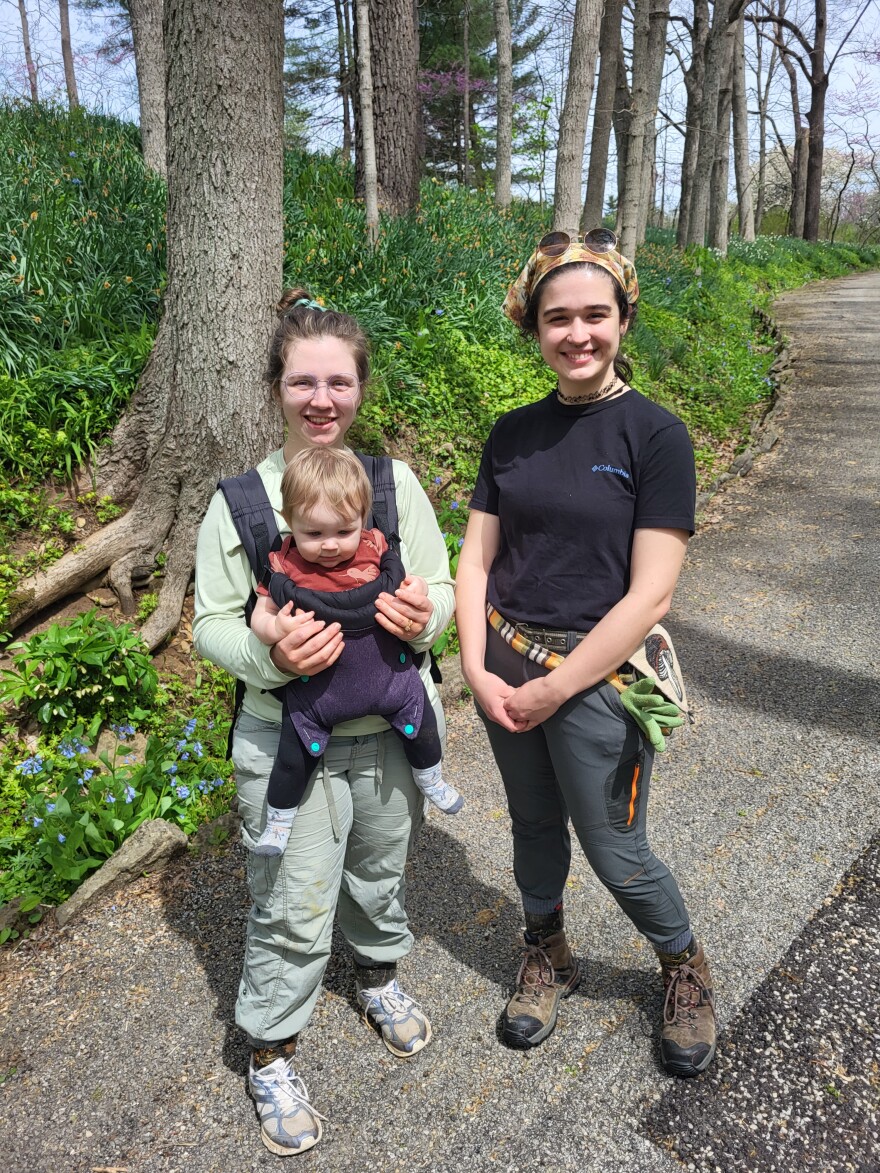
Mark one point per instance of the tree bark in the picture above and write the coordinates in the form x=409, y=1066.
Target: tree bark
x=744, y=203
x=206, y=411
x=720, y=179
x=67, y=55
x=659, y=19
x=693, y=81
x=28, y=55
x=504, y=133
x=620, y=120
x=344, y=78
x=576, y=107
x=394, y=57
x=149, y=62
x=465, y=98
x=609, y=52
x=816, y=123
x=367, y=120
x=649, y=40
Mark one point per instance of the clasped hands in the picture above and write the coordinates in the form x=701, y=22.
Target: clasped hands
x=516, y=709
x=310, y=645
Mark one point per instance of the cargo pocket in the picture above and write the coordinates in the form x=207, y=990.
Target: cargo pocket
x=623, y=792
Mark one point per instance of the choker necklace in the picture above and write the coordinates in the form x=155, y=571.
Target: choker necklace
x=593, y=395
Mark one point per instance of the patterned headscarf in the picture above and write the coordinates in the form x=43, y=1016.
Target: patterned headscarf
x=540, y=264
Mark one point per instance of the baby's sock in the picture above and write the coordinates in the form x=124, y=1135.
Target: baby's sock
x=278, y=824
x=444, y=796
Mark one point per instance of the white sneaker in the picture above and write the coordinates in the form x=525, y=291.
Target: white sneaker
x=288, y=1122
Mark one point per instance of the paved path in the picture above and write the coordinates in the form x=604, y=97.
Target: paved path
x=117, y=1031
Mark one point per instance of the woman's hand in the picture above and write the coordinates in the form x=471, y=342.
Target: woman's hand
x=309, y=646
x=492, y=694
x=531, y=703
x=408, y=611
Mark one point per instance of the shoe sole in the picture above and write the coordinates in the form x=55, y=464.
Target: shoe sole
x=520, y=1043
x=281, y=1150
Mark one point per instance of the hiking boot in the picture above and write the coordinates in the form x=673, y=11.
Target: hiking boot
x=404, y=1028
x=288, y=1122
x=687, y=1038
x=549, y=972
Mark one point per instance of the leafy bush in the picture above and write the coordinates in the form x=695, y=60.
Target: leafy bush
x=87, y=670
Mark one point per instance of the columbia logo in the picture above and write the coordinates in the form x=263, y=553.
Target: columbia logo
x=620, y=472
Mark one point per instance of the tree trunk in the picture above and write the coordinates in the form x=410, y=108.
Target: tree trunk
x=205, y=411
x=344, y=79
x=620, y=120
x=716, y=43
x=394, y=58
x=693, y=81
x=659, y=18
x=720, y=179
x=576, y=107
x=67, y=55
x=649, y=41
x=816, y=123
x=149, y=62
x=465, y=98
x=745, y=208
x=28, y=56
x=504, y=133
x=367, y=119
x=609, y=51
x=799, y=181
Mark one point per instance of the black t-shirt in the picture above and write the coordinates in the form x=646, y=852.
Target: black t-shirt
x=570, y=485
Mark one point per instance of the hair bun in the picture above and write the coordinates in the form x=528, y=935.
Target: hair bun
x=289, y=298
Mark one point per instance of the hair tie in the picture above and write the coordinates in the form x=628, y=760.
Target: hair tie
x=310, y=304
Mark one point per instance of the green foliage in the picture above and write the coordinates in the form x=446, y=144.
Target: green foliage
x=89, y=670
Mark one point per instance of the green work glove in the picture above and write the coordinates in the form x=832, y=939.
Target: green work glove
x=651, y=711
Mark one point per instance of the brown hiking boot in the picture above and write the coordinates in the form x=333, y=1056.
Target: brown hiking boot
x=549, y=972
x=687, y=1039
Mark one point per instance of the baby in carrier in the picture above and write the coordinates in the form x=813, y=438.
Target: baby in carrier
x=334, y=567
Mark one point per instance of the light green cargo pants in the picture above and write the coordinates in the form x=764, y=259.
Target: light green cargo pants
x=347, y=852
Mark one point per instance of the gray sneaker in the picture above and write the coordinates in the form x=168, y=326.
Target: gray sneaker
x=404, y=1028
x=288, y=1122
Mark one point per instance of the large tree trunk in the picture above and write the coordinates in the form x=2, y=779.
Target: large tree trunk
x=659, y=18
x=801, y=156
x=394, y=57
x=576, y=107
x=609, y=51
x=816, y=123
x=718, y=217
x=204, y=410
x=344, y=78
x=67, y=55
x=693, y=81
x=504, y=133
x=716, y=45
x=649, y=41
x=28, y=55
x=149, y=63
x=744, y=204
x=367, y=119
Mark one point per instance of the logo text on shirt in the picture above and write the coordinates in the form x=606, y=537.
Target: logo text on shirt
x=620, y=472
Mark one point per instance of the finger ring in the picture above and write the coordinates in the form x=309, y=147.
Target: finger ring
x=408, y=626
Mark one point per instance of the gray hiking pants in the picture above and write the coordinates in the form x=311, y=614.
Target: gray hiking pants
x=588, y=762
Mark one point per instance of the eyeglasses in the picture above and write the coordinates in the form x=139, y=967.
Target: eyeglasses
x=597, y=240
x=304, y=386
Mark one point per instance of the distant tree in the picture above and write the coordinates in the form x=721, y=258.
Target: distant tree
x=67, y=55
x=504, y=121
x=149, y=62
x=28, y=55
x=201, y=410
x=367, y=121
x=573, y=122
x=698, y=29
x=610, y=50
x=744, y=202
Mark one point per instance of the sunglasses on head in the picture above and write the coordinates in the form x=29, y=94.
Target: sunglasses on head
x=597, y=240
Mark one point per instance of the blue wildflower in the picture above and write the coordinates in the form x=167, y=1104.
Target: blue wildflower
x=438, y=480
x=129, y=793
x=210, y=726
x=182, y=791
x=87, y=774
x=31, y=765
x=61, y=838
x=184, y=757
x=439, y=313
x=203, y=787
x=189, y=727
x=217, y=782
x=180, y=745
x=172, y=769
x=122, y=731
x=76, y=182
x=454, y=505
x=36, y=821
x=71, y=154
x=197, y=749
x=50, y=806
x=109, y=799
x=460, y=543
x=66, y=750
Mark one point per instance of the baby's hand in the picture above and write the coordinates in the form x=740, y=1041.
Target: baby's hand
x=418, y=584
x=285, y=621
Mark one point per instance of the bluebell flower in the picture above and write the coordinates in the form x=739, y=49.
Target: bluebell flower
x=36, y=821
x=76, y=182
x=203, y=787
x=210, y=726
x=454, y=505
x=66, y=750
x=182, y=791
x=61, y=838
x=197, y=749
x=439, y=313
x=71, y=154
x=438, y=480
x=50, y=806
x=668, y=281
x=172, y=769
x=31, y=765
x=189, y=727
x=123, y=731
x=180, y=745
x=109, y=799
x=129, y=793
x=184, y=757
x=217, y=782
x=460, y=543
x=87, y=774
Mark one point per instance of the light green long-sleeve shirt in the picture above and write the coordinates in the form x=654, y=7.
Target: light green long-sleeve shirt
x=224, y=583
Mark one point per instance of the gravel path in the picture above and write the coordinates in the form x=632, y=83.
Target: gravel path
x=117, y=1046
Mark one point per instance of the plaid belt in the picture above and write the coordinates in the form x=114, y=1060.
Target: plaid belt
x=547, y=646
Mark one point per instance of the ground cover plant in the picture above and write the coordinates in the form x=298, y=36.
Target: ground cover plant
x=81, y=274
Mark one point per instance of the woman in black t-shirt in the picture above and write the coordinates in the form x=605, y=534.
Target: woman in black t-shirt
x=579, y=524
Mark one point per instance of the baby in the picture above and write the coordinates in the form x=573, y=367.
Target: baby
x=334, y=567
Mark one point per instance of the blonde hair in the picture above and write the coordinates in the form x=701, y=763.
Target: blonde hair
x=327, y=476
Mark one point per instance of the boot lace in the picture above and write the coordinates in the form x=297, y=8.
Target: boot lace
x=685, y=994
x=290, y=1090
x=536, y=974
